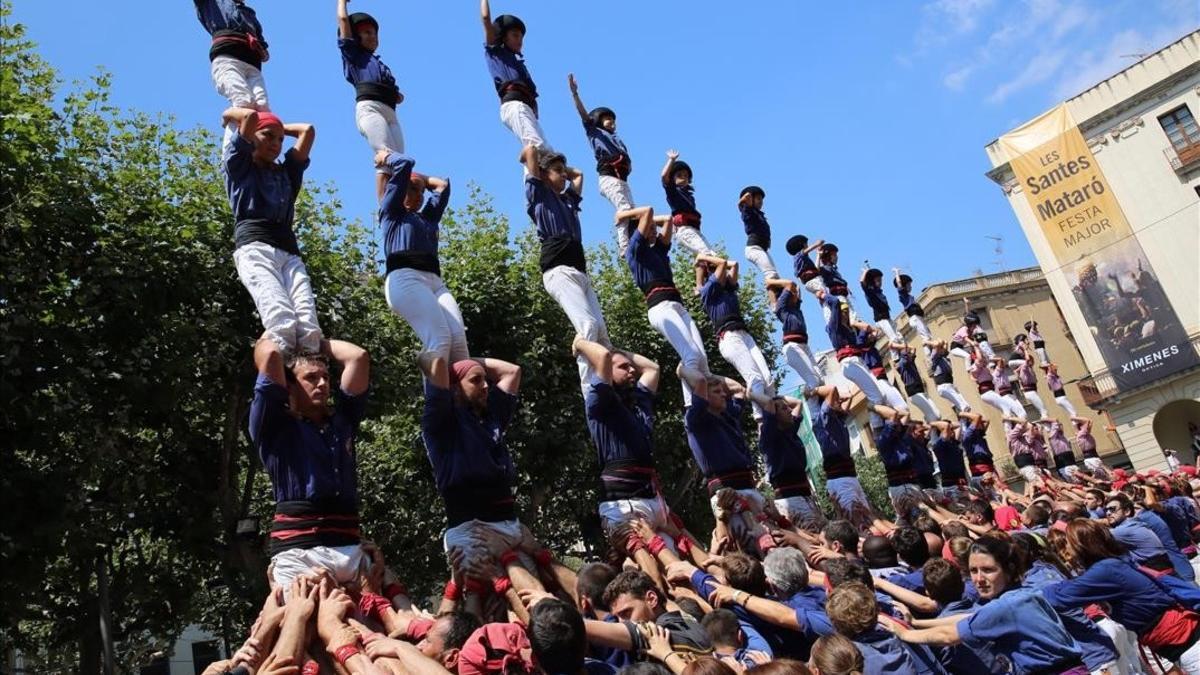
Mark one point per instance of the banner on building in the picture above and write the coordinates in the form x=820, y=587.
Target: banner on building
x=1133, y=323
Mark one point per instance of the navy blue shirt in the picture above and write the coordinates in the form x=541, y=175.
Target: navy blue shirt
x=263, y=200
x=716, y=441
x=950, y=459
x=758, y=230
x=804, y=267
x=877, y=300
x=721, y=304
x=307, y=461
x=895, y=453
x=410, y=238
x=229, y=15
x=681, y=199
x=362, y=67
x=840, y=335
x=471, y=462
x=1183, y=566
x=508, y=68
x=621, y=426
x=607, y=146
x=555, y=214
x=829, y=428
x=975, y=444
x=787, y=309
x=906, y=368
x=922, y=460
x=940, y=369
x=785, y=456
x=1136, y=601
x=832, y=278
x=649, y=261
x=1098, y=649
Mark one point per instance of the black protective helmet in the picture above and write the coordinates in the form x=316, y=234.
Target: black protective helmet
x=362, y=17
x=1019, y=338
x=1030, y=325
x=681, y=165
x=829, y=248
x=971, y=319
x=753, y=191
x=903, y=280
x=507, y=22
x=873, y=274
x=797, y=244
x=597, y=113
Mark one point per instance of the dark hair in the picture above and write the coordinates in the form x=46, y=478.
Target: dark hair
x=1002, y=550
x=943, y=580
x=980, y=507
x=690, y=607
x=877, y=551
x=634, y=582
x=1097, y=493
x=707, y=665
x=722, y=628
x=557, y=636
x=460, y=624
x=303, y=359
x=911, y=546
x=745, y=573
x=843, y=532
x=1034, y=548
x=954, y=528
x=1038, y=514
x=644, y=668
x=1089, y=542
x=593, y=578
x=927, y=525
x=1123, y=500
x=837, y=655
x=842, y=570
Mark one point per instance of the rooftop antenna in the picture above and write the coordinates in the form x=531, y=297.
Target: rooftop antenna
x=998, y=250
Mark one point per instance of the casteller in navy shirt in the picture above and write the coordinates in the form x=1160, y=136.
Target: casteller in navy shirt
x=410, y=238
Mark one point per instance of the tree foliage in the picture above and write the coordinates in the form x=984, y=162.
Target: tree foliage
x=126, y=338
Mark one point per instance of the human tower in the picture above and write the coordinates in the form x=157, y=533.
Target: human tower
x=470, y=398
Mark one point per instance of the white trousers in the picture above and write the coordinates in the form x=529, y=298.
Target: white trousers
x=279, y=284
x=423, y=301
x=918, y=324
x=523, y=123
x=672, y=321
x=802, y=511
x=377, y=122
x=1038, y=404
x=242, y=84
x=573, y=292
x=849, y=501
x=761, y=258
x=690, y=238
x=504, y=535
x=905, y=499
x=891, y=395
x=617, y=512
x=738, y=348
x=799, y=357
x=1002, y=404
x=1041, y=354
x=343, y=562
x=889, y=330
x=854, y=371
x=1096, y=464
x=1015, y=405
x=814, y=285
x=1065, y=403
x=926, y=406
x=617, y=192
x=951, y=393
x=827, y=312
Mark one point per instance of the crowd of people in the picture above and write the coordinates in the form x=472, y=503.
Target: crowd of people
x=1086, y=569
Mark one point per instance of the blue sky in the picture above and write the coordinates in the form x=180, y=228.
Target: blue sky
x=864, y=122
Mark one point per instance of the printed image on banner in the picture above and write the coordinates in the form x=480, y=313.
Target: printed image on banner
x=1137, y=331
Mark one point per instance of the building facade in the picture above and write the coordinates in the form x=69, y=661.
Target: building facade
x=1140, y=127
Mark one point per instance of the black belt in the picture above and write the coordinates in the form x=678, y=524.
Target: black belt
x=386, y=94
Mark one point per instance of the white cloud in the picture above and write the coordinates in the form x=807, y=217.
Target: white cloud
x=956, y=80
x=1094, y=66
x=1042, y=67
x=944, y=20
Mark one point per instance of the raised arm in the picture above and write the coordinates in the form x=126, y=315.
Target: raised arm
x=598, y=357
x=720, y=272
x=576, y=177
x=489, y=28
x=733, y=271
x=814, y=246
x=269, y=360
x=305, y=134
x=672, y=155
x=529, y=156
x=507, y=376
x=435, y=184
x=245, y=118
x=355, y=362
x=345, y=30
x=579, y=107
x=648, y=370
x=396, y=189
x=668, y=228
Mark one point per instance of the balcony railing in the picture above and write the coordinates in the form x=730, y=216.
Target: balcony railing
x=1098, y=388
x=980, y=283
x=1183, y=159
